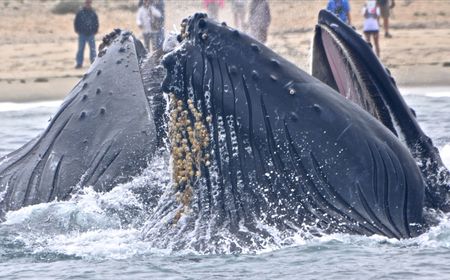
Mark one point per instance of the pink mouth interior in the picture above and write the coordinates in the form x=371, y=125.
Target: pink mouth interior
x=345, y=81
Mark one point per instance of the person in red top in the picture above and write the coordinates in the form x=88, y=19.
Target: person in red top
x=212, y=6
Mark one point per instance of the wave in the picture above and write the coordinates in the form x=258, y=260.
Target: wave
x=426, y=91
x=108, y=240
x=445, y=154
x=109, y=226
x=13, y=107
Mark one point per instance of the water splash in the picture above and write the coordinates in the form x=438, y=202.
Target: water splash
x=135, y=220
x=445, y=153
x=85, y=228
x=90, y=224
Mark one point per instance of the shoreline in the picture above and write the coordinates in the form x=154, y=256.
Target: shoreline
x=23, y=91
x=57, y=88
x=38, y=57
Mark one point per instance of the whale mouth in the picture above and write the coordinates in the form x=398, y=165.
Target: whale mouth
x=344, y=72
x=343, y=61
x=332, y=52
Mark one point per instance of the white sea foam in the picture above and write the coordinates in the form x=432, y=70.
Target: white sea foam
x=92, y=225
x=86, y=227
x=445, y=154
x=429, y=91
x=12, y=107
x=109, y=226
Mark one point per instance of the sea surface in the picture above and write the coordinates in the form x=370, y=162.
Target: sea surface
x=85, y=238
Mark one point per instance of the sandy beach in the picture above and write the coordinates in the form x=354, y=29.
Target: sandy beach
x=38, y=47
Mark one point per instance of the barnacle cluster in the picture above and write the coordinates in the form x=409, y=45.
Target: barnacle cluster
x=189, y=141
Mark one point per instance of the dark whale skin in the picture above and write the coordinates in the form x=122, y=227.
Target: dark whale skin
x=288, y=147
x=102, y=135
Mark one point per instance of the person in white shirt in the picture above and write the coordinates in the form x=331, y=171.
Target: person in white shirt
x=144, y=17
x=371, y=12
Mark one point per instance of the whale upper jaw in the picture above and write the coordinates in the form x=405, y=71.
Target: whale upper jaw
x=102, y=135
x=345, y=62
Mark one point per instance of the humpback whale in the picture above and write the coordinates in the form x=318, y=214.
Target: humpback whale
x=102, y=135
x=253, y=135
x=255, y=143
x=345, y=62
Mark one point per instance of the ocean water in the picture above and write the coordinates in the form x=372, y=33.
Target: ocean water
x=98, y=236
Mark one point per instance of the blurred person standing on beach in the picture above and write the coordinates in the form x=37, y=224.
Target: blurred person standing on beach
x=259, y=19
x=144, y=18
x=158, y=24
x=385, y=8
x=212, y=8
x=86, y=26
x=238, y=7
x=371, y=12
x=341, y=8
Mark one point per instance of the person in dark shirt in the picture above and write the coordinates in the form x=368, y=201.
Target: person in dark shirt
x=86, y=26
x=385, y=7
